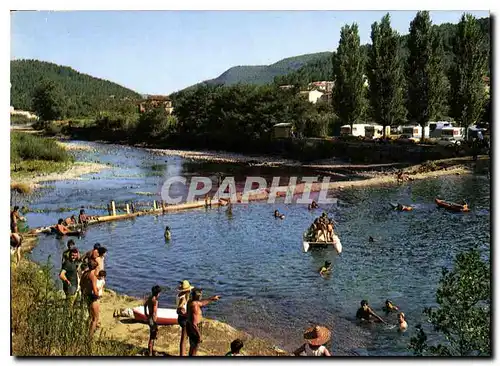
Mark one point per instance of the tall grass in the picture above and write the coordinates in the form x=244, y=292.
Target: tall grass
x=44, y=325
x=25, y=146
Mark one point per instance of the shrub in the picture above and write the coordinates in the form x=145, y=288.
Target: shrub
x=30, y=147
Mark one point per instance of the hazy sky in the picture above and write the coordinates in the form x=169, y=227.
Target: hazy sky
x=159, y=52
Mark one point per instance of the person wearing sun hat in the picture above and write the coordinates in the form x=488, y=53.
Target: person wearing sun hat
x=182, y=300
x=315, y=338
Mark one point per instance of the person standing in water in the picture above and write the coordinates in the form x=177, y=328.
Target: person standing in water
x=151, y=311
x=326, y=269
x=365, y=312
x=182, y=301
x=194, y=318
x=402, y=322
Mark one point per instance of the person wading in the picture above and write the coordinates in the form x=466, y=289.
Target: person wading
x=151, y=311
x=194, y=318
x=182, y=301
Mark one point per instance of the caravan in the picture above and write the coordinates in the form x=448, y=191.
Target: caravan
x=358, y=129
x=451, y=136
x=414, y=133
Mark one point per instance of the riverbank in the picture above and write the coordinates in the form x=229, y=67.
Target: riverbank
x=118, y=336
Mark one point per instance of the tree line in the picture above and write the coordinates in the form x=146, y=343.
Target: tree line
x=417, y=89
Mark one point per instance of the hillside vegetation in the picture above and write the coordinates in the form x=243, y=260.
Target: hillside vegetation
x=83, y=95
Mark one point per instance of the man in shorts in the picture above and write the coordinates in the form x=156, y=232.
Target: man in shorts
x=151, y=310
x=194, y=318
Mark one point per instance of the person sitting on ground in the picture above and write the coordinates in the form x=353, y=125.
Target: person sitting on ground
x=67, y=252
x=326, y=268
x=60, y=228
x=402, y=322
x=69, y=276
x=125, y=313
x=315, y=339
x=364, y=313
x=16, y=241
x=236, y=347
x=167, y=233
x=151, y=311
x=389, y=306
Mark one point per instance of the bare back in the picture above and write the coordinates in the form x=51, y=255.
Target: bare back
x=151, y=306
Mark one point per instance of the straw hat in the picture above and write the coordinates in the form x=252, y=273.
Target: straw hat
x=185, y=286
x=317, y=335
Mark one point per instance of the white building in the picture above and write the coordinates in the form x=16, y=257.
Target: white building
x=312, y=95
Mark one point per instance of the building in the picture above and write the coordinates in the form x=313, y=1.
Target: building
x=156, y=101
x=324, y=86
x=286, y=86
x=312, y=95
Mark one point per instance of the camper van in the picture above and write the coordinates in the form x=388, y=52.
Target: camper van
x=357, y=129
x=451, y=135
x=374, y=131
x=436, y=127
x=415, y=132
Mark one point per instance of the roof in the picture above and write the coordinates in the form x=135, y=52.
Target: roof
x=283, y=125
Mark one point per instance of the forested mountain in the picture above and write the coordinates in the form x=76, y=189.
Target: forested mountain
x=82, y=94
x=263, y=74
x=321, y=68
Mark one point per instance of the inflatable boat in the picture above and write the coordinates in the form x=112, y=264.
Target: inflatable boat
x=336, y=244
x=164, y=316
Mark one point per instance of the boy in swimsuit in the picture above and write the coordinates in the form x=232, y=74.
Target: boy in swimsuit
x=194, y=318
x=151, y=311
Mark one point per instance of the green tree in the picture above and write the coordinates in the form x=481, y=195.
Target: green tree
x=385, y=74
x=466, y=76
x=348, y=67
x=425, y=71
x=463, y=315
x=154, y=124
x=48, y=102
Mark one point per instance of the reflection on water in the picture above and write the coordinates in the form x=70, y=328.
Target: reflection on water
x=271, y=288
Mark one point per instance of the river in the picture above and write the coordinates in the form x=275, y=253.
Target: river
x=269, y=287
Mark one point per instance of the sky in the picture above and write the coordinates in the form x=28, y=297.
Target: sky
x=160, y=52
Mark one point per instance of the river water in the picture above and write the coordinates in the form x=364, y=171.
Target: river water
x=269, y=287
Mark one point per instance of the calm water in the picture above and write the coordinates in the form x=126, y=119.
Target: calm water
x=268, y=285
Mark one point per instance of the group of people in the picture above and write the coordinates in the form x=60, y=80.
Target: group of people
x=189, y=316
x=63, y=225
x=84, y=275
x=366, y=314
x=321, y=230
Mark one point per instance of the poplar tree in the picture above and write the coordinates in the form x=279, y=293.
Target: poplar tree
x=348, y=66
x=468, y=94
x=385, y=74
x=425, y=75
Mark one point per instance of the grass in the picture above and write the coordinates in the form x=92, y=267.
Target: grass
x=25, y=146
x=25, y=169
x=21, y=187
x=43, y=325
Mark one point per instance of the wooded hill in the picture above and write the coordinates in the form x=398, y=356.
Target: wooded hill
x=83, y=94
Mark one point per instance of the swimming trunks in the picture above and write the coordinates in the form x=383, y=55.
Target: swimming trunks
x=193, y=333
x=153, y=328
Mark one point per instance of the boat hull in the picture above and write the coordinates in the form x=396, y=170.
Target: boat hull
x=450, y=206
x=337, y=245
x=164, y=316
